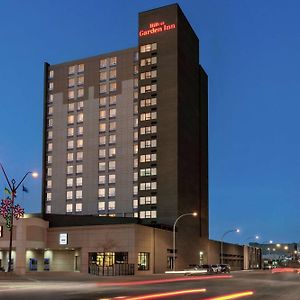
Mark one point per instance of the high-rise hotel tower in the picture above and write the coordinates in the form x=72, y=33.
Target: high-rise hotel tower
x=125, y=133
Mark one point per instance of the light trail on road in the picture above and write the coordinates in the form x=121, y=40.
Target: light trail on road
x=167, y=294
x=232, y=296
x=145, y=282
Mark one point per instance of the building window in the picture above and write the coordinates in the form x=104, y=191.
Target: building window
x=148, y=200
x=1, y=231
x=102, y=127
x=135, y=162
x=113, y=61
x=148, y=144
x=69, y=182
x=50, y=110
x=135, y=136
x=112, y=165
x=135, y=204
x=135, y=149
x=101, y=205
x=48, y=209
x=143, y=261
x=50, y=122
x=79, y=181
x=148, y=157
x=102, y=114
x=103, y=88
x=78, y=194
x=103, y=76
x=80, y=68
x=112, y=138
x=70, y=132
x=70, y=170
x=102, y=153
x=71, y=82
x=112, y=113
x=71, y=107
x=49, y=171
x=112, y=99
x=146, y=186
x=148, y=88
x=111, y=178
x=80, y=118
x=101, y=193
x=148, y=172
x=80, y=92
x=79, y=156
x=78, y=207
x=135, y=190
x=112, y=126
x=80, y=80
x=112, y=152
x=111, y=205
x=112, y=74
x=148, y=116
x=51, y=74
x=50, y=147
x=70, y=156
x=102, y=101
x=70, y=144
x=80, y=105
x=71, y=70
x=135, y=176
x=69, y=195
x=148, y=129
x=101, y=179
x=69, y=207
x=148, y=74
x=79, y=130
x=51, y=86
x=148, y=47
x=79, y=169
x=102, y=140
x=79, y=143
x=50, y=135
x=103, y=63
x=102, y=166
x=50, y=99
x=71, y=119
x=148, y=61
x=111, y=192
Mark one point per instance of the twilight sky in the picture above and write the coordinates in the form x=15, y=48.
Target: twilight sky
x=250, y=50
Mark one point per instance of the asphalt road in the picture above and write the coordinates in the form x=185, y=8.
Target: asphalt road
x=56, y=286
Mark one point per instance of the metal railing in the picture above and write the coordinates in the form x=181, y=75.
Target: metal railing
x=114, y=270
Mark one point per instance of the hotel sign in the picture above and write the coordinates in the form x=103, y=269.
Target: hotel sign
x=63, y=239
x=155, y=28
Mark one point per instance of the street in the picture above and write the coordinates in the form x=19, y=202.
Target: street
x=240, y=284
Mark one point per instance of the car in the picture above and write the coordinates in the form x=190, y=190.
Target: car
x=216, y=268
x=194, y=270
x=224, y=268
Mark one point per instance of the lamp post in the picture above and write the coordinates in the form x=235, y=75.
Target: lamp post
x=225, y=233
x=194, y=214
x=256, y=237
x=13, y=187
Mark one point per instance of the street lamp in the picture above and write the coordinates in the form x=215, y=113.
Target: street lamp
x=225, y=233
x=256, y=237
x=13, y=187
x=194, y=214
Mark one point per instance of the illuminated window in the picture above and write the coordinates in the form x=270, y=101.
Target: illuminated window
x=70, y=156
x=148, y=61
x=135, y=190
x=79, y=143
x=135, y=83
x=80, y=80
x=69, y=207
x=101, y=193
x=71, y=70
x=79, y=130
x=103, y=63
x=135, y=149
x=79, y=181
x=70, y=170
x=135, y=70
x=79, y=169
x=135, y=136
x=102, y=166
x=135, y=163
x=101, y=179
x=111, y=192
x=49, y=159
x=112, y=74
x=69, y=182
x=80, y=68
x=79, y=155
x=50, y=135
x=148, y=172
x=51, y=98
x=145, y=186
x=103, y=88
x=111, y=178
x=49, y=171
x=78, y=194
x=50, y=110
x=48, y=209
x=148, y=144
x=70, y=145
x=148, y=129
x=71, y=82
x=70, y=131
x=101, y=205
x=113, y=61
x=112, y=152
x=49, y=184
x=102, y=101
x=148, y=116
x=111, y=205
x=69, y=195
x=50, y=122
x=135, y=108
x=80, y=118
x=71, y=107
x=80, y=105
x=51, y=74
x=112, y=100
x=148, y=47
x=71, y=94
x=48, y=196
x=148, y=157
x=78, y=207
x=148, y=74
x=102, y=114
x=71, y=119
x=51, y=86
x=148, y=200
x=135, y=204
x=102, y=153
x=135, y=176
x=143, y=261
x=135, y=122
x=102, y=140
x=148, y=88
x=103, y=76
x=112, y=126
x=112, y=86
x=80, y=92
x=112, y=139
x=112, y=165
x=102, y=127
x=50, y=147
x=112, y=113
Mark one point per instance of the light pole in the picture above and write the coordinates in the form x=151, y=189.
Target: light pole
x=256, y=237
x=13, y=187
x=225, y=233
x=194, y=214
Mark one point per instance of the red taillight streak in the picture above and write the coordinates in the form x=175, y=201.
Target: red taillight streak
x=285, y=270
x=232, y=296
x=167, y=294
x=163, y=280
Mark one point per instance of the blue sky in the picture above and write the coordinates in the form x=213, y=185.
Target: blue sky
x=250, y=50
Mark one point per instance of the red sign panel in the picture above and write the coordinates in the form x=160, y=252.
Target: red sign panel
x=156, y=27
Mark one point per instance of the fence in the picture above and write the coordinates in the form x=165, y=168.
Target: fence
x=114, y=270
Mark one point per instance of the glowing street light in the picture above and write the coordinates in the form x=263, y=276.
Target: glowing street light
x=256, y=237
x=237, y=230
x=194, y=214
x=11, y=211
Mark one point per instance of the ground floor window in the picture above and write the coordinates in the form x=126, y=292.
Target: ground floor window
x=143, y=261
x=108, y=259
